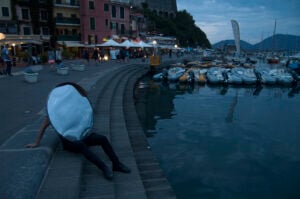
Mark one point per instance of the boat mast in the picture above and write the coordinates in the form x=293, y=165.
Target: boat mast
x=273, y=38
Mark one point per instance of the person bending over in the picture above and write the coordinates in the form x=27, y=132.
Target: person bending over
x=70, y=113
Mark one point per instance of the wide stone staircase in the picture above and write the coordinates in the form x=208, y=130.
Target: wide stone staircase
x=72, y=176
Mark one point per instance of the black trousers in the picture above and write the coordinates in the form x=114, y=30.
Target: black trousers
x=8, y=67
x=93, y=139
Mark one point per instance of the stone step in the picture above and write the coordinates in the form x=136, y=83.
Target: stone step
x=126, y=185
x=93, y=182
x=66, y=168
x=155, y=183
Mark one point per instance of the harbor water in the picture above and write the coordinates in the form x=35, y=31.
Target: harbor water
x=221, y=142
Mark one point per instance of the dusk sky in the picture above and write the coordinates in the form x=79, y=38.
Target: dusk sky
x=256, y=18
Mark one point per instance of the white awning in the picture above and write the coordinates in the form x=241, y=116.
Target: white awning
x=71, y=43
x=109, y=43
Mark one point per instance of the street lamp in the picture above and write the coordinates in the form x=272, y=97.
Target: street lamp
x=154, y=42
x=2, y=36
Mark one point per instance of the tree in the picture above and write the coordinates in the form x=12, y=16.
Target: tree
x=182, y=27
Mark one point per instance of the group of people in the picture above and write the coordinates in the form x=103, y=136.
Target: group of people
x=97, y=55
x=54, y=56
x=6, y=60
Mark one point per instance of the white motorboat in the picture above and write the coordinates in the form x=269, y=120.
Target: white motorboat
x=246, y=74
x=233, y=78
x=200, y=75
x=282, y=76
x=160, y=76
x=249, y=76
x=215, y=75
x=265, y=77
x=174, y=73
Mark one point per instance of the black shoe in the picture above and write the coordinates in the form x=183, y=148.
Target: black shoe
x=108, y=174
x=121, y=168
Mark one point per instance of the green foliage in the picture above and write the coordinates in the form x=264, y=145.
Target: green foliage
x=182, y=27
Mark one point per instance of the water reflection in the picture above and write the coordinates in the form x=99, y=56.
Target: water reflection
x=224, y=141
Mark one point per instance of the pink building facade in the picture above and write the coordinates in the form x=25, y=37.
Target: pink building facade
x=103, y=19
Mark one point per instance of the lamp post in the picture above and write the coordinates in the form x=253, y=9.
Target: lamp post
x=14, y=55
x=154, y=42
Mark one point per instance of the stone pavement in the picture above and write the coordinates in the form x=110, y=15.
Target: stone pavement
x=50, y=172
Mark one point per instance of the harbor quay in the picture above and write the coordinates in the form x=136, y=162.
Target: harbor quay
x=48, y=171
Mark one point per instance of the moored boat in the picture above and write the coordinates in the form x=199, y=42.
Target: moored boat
x=282, y=76
x=175, y=73
x=215, y=75
x=200, y=75
x=160, y=76
x=233, y=78
x=265, y=77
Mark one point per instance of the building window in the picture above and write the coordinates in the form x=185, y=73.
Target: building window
x=66, y=31
x=122, y=13
x=113, y=11
x=45, y=30
x=5, y=12
x=74, y=31
x=106, y=7
x=27, y=30
x=25, y=14
x=3, y=27
x=12, y=28
x=73, y=2
x=106, y=22
x=44, y=15
x=73, y=16
x=122, y=29
x=92, y=23
x=59, y=15
x=58, y=1
x=91, y=5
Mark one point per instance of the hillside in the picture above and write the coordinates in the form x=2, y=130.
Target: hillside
x=244, y=45
x=278, y=42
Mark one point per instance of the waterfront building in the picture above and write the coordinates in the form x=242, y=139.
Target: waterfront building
x=103, y=19
x=27, y=25
x=26, y=21
x=7, y=24
x=67, y=21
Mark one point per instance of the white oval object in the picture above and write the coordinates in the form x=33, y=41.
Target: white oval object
x=69, y=112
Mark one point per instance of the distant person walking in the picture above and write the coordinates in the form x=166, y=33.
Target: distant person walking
x=86, y=55
x=51, y=58
x=96, y=55
x=170, y=53
x=6, y=58
x=102, y=54
x=58, y=57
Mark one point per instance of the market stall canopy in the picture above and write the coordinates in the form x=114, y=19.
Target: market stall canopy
x=144, y=45
x=109, y=43
x=129, y=44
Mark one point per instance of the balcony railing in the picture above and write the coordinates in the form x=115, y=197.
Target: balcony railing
x=66, y=20
x=72, y=4
x=68, y=38
x=120, y=1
